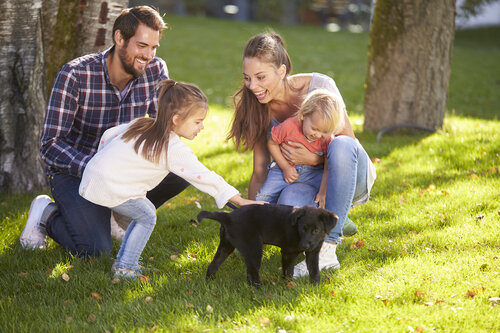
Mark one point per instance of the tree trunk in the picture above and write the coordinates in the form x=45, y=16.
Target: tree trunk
x=36, y=38
x=22, y=97
x=409, y=63
x=79, y=28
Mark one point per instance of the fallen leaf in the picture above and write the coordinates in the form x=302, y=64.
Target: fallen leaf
x=357, y=244
x=333, y=293
x=429, y=278
x=419, y=294
x=148, y=299
x=192, y=256
x=96, y=296
x=268, y=295
x=23, y=274
x=174, y=256
x=151, y=258
x=291, y=284
x=472, y=293
x=189, y=305
x=210, y=309
x=91, y=318
x=190, y=291
x=403, y=251
x=445, y=192
x=144, y=278
x=419, y=329
x=70, y=267
x=153, y=328
x=69, y=319
x=65, y=302
x=197, y=204
x=430, y=188
x=264, y=321
x=115, y=281
x=473, y=176
x=65, y=277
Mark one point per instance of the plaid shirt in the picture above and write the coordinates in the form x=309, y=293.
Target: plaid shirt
x=84, y=103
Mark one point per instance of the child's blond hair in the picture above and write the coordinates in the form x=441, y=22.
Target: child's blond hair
x=328, y=105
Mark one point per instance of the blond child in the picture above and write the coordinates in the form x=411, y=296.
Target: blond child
x=315, y=124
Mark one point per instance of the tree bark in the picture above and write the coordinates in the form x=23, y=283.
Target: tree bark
x=22, y=97
x=409, y=63
x=36, y=38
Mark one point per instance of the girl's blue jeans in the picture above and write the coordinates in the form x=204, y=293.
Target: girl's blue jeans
x=143, y=215
x=347, y=173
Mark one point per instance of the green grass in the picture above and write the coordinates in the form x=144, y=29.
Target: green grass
x=426, y=257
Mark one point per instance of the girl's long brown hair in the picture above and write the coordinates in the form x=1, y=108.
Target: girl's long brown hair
x=174, y=98
x=251, y=118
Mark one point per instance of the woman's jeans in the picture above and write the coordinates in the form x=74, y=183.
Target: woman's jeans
x=275, y=182
x=143, y=215
x=81, y=227
x=347, y=172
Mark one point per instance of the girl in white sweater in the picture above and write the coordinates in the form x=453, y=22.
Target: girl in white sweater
x=134, y=158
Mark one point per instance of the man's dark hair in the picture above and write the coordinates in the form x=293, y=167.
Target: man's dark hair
x=129, y=19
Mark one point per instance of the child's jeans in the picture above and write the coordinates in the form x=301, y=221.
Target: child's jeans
x=143, y=215
x=275, y=182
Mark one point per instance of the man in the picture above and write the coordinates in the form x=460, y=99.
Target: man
x=91, y=94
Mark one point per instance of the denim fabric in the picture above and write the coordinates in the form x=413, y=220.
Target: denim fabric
x=347, y=171
x=143, y=215
x=275, y=182
x=81, y=227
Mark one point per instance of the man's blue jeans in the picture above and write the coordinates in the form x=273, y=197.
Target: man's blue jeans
x=143, y=215
x=347, y=172
x=83, y=228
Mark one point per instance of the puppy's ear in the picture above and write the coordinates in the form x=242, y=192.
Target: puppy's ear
x=297, y=213
x=329, y=220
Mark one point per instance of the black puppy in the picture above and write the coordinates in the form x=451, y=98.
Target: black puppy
x=293, y=229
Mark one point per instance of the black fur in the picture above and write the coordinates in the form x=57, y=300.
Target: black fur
x=293, y=229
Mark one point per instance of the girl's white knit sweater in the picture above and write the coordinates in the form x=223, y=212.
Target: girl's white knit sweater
x=116, y=173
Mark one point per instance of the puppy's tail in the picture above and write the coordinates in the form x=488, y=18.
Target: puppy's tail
x=220, y=217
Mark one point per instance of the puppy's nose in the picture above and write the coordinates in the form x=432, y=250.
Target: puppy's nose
x=304, y=246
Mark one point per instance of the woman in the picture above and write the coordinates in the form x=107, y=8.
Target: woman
x=268, y=97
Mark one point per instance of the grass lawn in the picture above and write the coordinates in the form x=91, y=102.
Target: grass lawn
x=426, y=257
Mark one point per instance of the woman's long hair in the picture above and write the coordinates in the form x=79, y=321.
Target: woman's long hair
x=251, y=118
x=174, y=98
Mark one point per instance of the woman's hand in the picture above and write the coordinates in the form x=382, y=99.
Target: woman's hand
x=320, y=199
x=296, y=153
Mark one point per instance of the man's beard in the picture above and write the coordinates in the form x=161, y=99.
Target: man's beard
x=128, y=66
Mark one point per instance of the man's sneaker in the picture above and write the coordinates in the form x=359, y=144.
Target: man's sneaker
x=33, y=236
x=349, y=228
x=327, y=259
